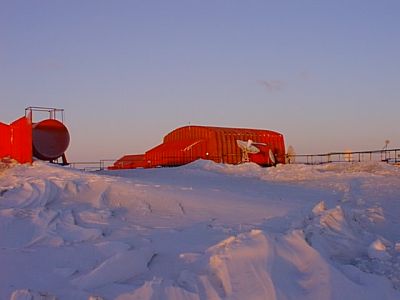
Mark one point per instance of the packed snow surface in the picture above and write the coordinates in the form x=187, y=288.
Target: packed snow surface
x=201, y=231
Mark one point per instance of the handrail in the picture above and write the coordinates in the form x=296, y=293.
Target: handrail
x=51, y=110
x=391, y=156
x=385, y=155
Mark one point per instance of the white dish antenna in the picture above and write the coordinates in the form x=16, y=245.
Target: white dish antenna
x=247, y=148
x=272, y=157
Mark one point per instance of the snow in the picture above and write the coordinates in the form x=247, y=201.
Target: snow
x=200, y=231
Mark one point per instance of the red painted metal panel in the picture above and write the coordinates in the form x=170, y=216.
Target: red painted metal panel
x=173, y=153
x=21, y=140
x=5, y=140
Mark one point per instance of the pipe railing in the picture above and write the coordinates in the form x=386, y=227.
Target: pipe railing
x=391, y=156
x=53, y=112
x=385, y=155
x=102, y=164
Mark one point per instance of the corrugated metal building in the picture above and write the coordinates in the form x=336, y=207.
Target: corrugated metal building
x=222, y=145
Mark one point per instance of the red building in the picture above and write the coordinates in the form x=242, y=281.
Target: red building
x=222, y=145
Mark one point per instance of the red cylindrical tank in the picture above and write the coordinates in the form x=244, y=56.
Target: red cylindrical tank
x=50, y=139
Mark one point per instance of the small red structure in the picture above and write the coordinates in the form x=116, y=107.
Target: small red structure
x=45, y=140
x=16, y=140
x=222, y=145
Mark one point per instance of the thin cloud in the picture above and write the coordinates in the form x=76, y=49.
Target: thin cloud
x=272, y=85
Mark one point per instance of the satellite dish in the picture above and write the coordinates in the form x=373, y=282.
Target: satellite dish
x=272, y=157
x=247, y=148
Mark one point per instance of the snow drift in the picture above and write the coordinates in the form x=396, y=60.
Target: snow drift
x=201, y=231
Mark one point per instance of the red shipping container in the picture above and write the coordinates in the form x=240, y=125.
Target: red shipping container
x=129, y=162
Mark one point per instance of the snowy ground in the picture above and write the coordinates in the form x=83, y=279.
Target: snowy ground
x=202, y=231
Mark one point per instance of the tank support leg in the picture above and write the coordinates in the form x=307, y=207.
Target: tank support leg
x=64, y=160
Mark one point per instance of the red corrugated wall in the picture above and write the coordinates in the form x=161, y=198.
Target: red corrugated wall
x=16, y=140
x=5, y=141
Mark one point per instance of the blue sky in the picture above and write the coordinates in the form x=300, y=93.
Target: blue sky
x=326, y=74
